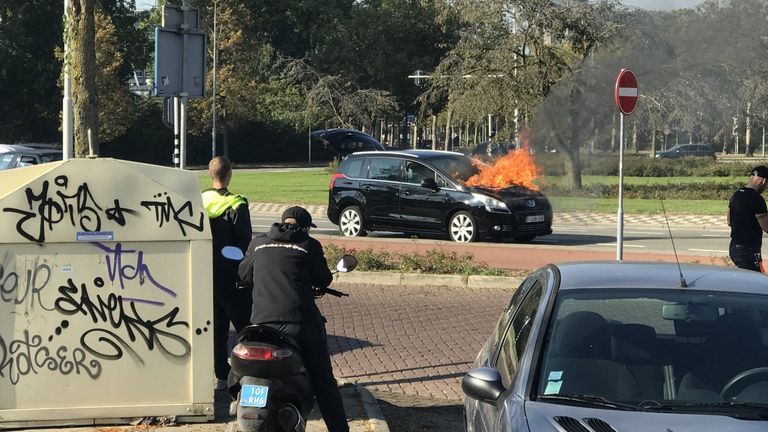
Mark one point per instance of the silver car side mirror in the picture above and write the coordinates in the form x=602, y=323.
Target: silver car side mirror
x=483, y=384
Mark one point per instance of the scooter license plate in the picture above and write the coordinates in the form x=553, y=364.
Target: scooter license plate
x=254, y=396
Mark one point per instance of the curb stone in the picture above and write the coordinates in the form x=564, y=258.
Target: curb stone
x=376, y=421
x=419, y=279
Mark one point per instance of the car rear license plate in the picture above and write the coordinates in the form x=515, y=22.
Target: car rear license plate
x=534, y=218
x=254, y=396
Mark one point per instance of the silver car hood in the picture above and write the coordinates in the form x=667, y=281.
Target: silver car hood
x=542, y=418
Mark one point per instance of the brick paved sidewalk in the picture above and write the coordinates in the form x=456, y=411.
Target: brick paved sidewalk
x=710, y=221
x=415, y=340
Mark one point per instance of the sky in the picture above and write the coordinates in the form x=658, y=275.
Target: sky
x=645, y=4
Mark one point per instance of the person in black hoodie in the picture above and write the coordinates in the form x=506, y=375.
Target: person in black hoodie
x=230, y=226
x=284, y=266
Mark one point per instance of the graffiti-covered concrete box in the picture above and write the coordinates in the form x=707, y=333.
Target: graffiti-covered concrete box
x=105, y=294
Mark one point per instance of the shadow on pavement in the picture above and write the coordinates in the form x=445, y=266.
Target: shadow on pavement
x=406, y=413
x=340, y=344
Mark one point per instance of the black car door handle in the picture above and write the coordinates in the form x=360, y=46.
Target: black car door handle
x=405, y=193
x=366, y=188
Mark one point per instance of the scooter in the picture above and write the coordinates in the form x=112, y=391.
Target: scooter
x=274, y=393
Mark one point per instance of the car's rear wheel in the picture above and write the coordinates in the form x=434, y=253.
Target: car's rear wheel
x=462, y=227
x=351, y=222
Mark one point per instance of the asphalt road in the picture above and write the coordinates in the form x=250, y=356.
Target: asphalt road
x=706, y=242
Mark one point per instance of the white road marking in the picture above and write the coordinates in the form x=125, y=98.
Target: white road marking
x=708, y=250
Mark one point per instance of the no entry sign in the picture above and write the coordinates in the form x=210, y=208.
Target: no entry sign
x=625, y=92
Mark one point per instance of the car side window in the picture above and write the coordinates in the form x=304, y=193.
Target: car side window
x=384, y=169
x=352, y=168
x=27, y=161
x=5, y=160
x=441, y=182
x=516, y=337
x=415, y=172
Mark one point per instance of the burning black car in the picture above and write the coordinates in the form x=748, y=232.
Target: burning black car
x=427, y=191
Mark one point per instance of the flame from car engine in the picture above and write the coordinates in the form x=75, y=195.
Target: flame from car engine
x=517, y=167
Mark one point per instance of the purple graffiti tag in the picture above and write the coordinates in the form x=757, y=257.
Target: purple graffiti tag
x=117, y=269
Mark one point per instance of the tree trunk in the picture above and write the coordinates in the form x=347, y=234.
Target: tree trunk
x=653, y=143
x=82, y=48
x=634, y=137
x=613, y=134
x=747, y=131
x=434, y=132
x=573, y=157
x=448, y=132
x=225, y=139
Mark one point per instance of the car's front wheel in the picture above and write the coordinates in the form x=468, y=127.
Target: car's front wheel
x=462, y=227
x=351, y=222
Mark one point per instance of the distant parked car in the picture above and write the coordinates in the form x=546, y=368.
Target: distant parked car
x=16, y=156
x=681, y=150
x=612, y=347
x=347, y=141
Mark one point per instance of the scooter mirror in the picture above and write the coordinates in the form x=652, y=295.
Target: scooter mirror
x=232, y=252
x=346, y=264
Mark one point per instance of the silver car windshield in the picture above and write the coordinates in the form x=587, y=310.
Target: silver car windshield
x=657, y=348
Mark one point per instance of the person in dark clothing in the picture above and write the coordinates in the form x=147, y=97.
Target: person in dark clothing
x=284, y=266
x=230, y=226
x=748, y=219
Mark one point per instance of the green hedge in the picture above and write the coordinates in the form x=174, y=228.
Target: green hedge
x=554, y=164
x=433, y=261
x=691, y=191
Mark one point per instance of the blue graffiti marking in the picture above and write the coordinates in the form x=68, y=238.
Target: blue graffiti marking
x=117, y=269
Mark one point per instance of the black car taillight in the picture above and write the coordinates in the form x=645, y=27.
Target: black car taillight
x=333, y=179
x=260, y=352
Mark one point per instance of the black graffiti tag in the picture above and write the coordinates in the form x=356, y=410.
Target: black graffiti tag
x=27, y=356
x=165, y=211
x=52, y=206
x=155, y=333
x=27, y=290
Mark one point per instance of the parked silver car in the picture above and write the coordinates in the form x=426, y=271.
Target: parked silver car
x=600, y=347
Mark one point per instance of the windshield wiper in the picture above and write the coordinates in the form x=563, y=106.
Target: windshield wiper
x=590, y=400
x=743, y=410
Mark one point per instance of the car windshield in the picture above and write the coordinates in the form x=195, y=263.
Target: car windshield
x=457, y=167
x=657, y=349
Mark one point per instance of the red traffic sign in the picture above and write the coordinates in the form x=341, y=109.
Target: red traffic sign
x=625, y=93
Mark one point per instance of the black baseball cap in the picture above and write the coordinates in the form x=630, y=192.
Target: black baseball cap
x=760, y=171
x=302, y=216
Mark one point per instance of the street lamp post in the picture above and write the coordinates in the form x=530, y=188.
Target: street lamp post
x=213, y=91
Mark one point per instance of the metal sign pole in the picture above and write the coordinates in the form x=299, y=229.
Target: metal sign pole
x=620, y=215
x=183, y=131
x=176, y=124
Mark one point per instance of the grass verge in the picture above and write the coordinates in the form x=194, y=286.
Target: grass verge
x=311, y=187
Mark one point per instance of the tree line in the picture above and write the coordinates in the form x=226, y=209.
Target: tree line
x=531, y=70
